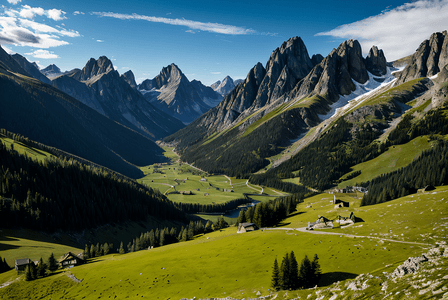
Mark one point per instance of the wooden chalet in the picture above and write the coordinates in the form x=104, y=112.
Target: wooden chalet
x=21, y=264
x=70, y=259
x=246, y=227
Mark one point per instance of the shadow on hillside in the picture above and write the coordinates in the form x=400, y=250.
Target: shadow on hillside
x=331, y=277
x=358, y=220
x=296, y=214
x=4, y=247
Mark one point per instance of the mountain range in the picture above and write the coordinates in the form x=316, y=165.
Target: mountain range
x=47, y=115
x=289, y=100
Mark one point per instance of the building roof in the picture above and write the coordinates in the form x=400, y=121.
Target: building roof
x=247, y=224
x=23, y=261
x=70, y=255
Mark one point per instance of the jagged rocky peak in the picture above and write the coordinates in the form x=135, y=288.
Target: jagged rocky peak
x=350, y=51
x=376, y=62
x=130, y=78
x=146, y=85
x=169, y=73
x=287, y=65
x=316, y=59
x=225, y=86
x=94, y=68
x=428, y=60
x=51, y=71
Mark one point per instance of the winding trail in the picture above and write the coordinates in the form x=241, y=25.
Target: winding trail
x=303, y=229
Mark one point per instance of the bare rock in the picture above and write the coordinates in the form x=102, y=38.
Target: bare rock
x=376, y=62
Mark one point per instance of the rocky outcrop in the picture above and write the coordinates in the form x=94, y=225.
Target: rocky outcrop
x=130, y=79
x=173, y=93
x=316, y=59
x=30, y=68
x=376, y=62
x=429, y=59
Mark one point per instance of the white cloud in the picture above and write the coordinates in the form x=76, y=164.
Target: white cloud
x=44, y=54
x=56, y=14
x=215, y=73
x=194, y=25
x=190, y=31
x=29, y=12
x=78, y=13
x=100, y=41
x=397, y=31
x=14, y=2
x=19, y=28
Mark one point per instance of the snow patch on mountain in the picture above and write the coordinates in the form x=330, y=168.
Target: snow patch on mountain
x=362, y=92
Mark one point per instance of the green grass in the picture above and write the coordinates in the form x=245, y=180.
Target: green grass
x=224, y=263
x=17, y=244
x=421, y=217
x=186, y=178
x=24, y=149
x=394, y=158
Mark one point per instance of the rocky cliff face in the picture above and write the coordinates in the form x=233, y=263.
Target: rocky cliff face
x=130, y=79
x=376, y=62
x=173, y=93
x=429, y=59
x=30, y=68
x=99, y=86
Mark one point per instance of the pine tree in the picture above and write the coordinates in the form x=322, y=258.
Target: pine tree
x=92, y=251
x=52, y=263
x=285, y=273
x=121, y=249
x=293, y=272
x=33, y=270
x=28, y=275
x=86, y=253
x=305, y=273
x=41, y=268
x=275, y=281
x=315, y=269
x=106, y=249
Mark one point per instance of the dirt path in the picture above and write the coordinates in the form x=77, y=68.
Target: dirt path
x=303, y=229
x=9, y=282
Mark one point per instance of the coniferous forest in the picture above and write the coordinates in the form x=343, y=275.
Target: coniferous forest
x=64, y=194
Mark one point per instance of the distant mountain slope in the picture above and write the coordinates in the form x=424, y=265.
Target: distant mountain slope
x=47, y=115
x=99, y=86
x=173, y=93
x=225, y=86
x=30, y=68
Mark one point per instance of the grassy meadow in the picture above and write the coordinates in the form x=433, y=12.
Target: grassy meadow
x=225, y=263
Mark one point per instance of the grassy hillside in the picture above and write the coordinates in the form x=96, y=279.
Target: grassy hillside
x=224, y=263
x=394, y=158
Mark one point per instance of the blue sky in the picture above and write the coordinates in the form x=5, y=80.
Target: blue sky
x=207, y=40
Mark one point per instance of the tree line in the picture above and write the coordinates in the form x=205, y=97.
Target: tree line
x=60, y=193
x=429, y=169
x=288, y=276
x=192, y=208
x=156, y=238
x=266, y=214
